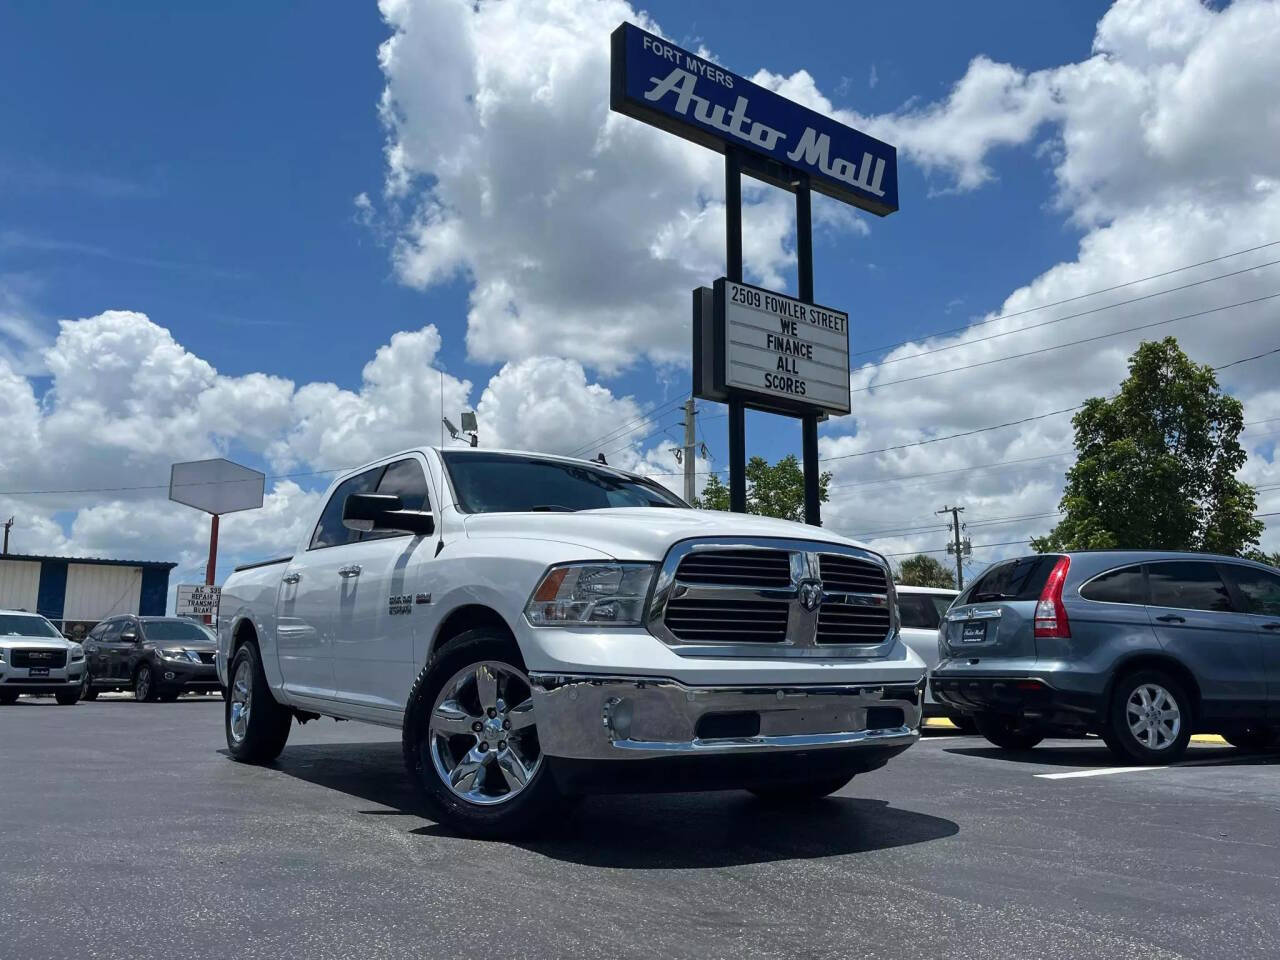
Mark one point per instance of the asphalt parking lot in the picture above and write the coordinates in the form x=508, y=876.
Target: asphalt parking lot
x=127, y=833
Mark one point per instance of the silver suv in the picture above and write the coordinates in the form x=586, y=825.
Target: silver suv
x=1143, y=648
x=36, y=658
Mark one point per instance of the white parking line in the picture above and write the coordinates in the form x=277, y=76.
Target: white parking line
x=1100, y=772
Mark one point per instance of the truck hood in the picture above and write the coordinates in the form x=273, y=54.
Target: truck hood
x=639, y=533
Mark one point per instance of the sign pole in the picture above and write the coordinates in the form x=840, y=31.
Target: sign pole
x=213, y=555
x=733, y=269
x=804, y=279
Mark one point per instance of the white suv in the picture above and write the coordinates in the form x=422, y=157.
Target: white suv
x=36, y=658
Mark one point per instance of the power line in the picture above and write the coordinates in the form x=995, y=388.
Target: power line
x=617, y=432
x=976, y=546
x=1069, y=316
x=1075, y=343
x=1058, y=303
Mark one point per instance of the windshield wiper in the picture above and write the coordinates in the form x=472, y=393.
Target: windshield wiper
x=553, y=508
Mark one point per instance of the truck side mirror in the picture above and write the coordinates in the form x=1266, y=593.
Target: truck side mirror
x=128, y=636
x=383, y=511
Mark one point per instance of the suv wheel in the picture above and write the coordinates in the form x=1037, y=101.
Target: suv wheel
x=256, y=725
x=144, y=684
x=471, y=739
x=88, y=691
x=1150, y=718
x=1008, y=732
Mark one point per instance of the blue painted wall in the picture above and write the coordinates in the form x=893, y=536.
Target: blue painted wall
x=51, y=595
x=155, y=592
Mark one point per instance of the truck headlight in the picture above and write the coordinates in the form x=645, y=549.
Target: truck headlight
x=77, y=652
x=598, y=593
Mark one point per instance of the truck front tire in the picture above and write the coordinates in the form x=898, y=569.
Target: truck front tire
x=256, y=725
x=470, y=739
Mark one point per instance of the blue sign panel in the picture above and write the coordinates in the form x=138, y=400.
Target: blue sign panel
x=655, y=81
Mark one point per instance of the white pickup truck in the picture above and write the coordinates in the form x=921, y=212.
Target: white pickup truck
x=540, y=627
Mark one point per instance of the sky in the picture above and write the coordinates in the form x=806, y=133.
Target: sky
x=291, y=234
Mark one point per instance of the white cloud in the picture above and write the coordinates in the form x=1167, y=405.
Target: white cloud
x=127, y=400
x=506, y=165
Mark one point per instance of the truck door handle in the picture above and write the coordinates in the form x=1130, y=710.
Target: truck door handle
x=291, y=578
x=351, y=571
x=1172, y=618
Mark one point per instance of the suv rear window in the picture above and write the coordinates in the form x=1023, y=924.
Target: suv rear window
x=1021, y=579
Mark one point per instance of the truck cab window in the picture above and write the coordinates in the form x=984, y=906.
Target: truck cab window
x=329, y=531
x=403, y=479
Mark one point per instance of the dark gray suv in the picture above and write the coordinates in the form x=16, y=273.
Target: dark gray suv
x=1144, y=648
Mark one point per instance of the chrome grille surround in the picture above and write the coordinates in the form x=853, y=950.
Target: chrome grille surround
x=704, y=613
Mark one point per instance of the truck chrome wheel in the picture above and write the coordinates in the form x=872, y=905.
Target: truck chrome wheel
x=241, y=701
x=1153, y=715
x=484, y=744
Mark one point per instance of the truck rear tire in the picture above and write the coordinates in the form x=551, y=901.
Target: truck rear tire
x=256, y=725
x=470, y=740
x=1007, y=732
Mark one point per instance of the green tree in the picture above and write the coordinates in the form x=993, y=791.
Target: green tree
x=923, y=570
x=1156, y=466
x=772, y=491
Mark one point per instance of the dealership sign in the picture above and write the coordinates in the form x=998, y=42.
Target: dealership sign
x=197, y=600
x=657, y=82
x=778, y=352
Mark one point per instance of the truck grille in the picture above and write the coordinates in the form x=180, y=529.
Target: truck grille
x=866, y=621
x=39, y=658
x=738, y=568
x=749, y=594
x=842, y=574
x=724, y=621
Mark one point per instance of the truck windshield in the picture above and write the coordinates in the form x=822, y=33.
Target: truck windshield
x=503, y=483
x=18, y=625
x=170, y=630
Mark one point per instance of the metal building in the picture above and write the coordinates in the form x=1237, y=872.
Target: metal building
x=75, y=593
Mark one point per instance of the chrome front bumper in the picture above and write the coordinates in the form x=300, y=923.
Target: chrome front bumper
x=611, y=718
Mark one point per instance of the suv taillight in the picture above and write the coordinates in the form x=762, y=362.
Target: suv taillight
x=1051, y=615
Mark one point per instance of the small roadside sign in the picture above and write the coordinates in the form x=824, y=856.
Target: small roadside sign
x=197, y=600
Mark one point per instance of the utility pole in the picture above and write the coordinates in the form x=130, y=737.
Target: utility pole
x=7, y=524
x=955, y=546
x=690, y=448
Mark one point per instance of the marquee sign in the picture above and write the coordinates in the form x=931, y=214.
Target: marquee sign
x=659, y=83
x=781, y=352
